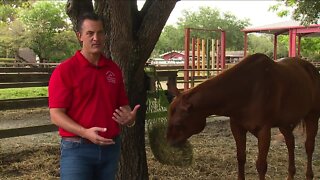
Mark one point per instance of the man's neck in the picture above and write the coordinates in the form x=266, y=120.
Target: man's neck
x=92, y=58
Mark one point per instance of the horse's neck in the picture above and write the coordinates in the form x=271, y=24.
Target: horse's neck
x=229, y=93
x=216, y=96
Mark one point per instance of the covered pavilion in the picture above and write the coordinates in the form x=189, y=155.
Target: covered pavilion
x=292, y=28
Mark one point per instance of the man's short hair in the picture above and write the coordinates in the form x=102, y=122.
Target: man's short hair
x=90, y=16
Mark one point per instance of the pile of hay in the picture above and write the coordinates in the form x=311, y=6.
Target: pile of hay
x=163, y=152
x=157, y=106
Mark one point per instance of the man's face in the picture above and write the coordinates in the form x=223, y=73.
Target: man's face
x=92, y=36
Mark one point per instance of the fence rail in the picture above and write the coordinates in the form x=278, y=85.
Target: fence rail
x=39, y=65
x=8, y=133
x=35, y=102
x=22, y=76
x=16, y=77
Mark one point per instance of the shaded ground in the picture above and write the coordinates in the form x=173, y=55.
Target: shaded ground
x=36, y=156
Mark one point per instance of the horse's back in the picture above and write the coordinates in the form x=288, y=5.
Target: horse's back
x=305, y=71
x=280, y=92
x=301, y=80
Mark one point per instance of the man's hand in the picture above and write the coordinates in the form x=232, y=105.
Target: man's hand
x=125, y=116
x=92, y=134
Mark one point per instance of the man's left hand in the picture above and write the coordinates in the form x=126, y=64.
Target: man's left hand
x=125, y=116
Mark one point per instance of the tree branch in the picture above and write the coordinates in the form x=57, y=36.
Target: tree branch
x=75, y=8
x=102, y=9
x=154, y=17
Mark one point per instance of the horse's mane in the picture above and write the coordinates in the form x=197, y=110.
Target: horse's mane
x=249, y=63
x=241, y=72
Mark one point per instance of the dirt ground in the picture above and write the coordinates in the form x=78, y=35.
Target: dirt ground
x=214, y=157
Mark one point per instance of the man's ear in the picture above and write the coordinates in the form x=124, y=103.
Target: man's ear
x=78, y=36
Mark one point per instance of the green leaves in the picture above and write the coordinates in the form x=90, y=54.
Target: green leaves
x=7, y=13
x=172, y=37
x=48, y=16
x=305, y=11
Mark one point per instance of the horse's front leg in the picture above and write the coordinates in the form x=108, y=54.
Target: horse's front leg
x=289, y=138
x=239, y=135
x=311, y=122
x=264, y=137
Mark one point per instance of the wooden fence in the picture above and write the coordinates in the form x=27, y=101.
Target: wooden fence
x=13, y=75
x=20, y=77
x=34, y=75
x=30, y=75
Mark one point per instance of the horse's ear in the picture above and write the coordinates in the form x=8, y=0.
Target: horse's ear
x=172, y=89
x=186, y=106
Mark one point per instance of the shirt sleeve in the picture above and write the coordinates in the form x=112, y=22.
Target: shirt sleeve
x=59, y=90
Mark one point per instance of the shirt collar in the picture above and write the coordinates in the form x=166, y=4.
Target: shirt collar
x=103, y=61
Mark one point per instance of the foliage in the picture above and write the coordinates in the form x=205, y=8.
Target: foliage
x=283, y=46
x=11, y=38
x=7, y=13
x=47, y=30
x=65, y=43
x=42, y=26
x=11, y=28
x=310, y=48
x=17, y=93
x=46, y=16
x=305, y=11
x=264, y=44
x=261, y=44
x=6, y=59
x=15, y=3
x=172, y=38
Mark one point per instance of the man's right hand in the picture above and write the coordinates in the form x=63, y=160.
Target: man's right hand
x=92, y=134
x=61, y=119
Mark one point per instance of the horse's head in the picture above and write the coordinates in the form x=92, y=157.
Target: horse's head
x=183, y=120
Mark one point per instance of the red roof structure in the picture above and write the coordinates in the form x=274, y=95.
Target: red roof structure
x=292, y=28
x=172, y=55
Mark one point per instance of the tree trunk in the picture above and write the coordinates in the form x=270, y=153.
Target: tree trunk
x=130, y=38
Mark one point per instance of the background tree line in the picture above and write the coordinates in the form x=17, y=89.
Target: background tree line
x=42, y=26
x=131, y=35
x=45, y=28
x=172, y=37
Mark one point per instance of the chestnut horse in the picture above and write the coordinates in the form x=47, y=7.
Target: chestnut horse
x=257, y=94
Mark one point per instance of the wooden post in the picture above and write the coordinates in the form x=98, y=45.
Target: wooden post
x=275, y=42
x=186, y=57
x=198, y=56
x=213, y=54
x=193, y=61
x=292, y=43
x=245, y=44
x=223, y=50
x=208, y=59
x=203, y=59
x=218, y=56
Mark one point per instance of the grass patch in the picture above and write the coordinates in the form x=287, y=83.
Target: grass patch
x=7, y=59
x=17, y=93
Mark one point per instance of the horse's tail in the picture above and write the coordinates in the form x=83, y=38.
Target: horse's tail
x=315, y=107
x=312, y=116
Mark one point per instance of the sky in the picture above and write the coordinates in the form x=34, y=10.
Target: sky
x=254, y=10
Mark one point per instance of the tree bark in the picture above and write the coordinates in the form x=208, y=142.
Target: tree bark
x=130, y=38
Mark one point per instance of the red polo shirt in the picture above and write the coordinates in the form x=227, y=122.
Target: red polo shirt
x=90, y=94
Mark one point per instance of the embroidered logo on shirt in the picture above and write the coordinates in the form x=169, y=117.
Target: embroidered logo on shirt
x=111, y=78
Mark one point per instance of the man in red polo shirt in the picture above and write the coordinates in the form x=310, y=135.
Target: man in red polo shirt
x=88, y=102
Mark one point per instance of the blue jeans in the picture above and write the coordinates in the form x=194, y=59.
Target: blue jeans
x=83, y=161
